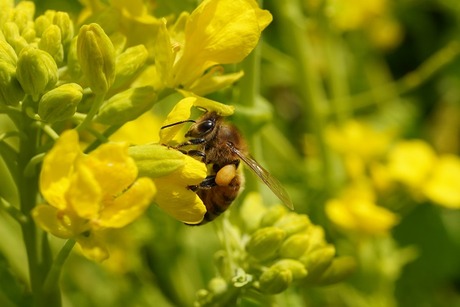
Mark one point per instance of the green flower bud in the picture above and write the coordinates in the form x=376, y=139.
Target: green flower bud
x=96, y=55
x=36, y=71
x=294, y=246
x=264, y=243
x=318, y=260
x=60, y=103
x=10, y=90
x=51, y=43
x=217, y=286
x=293, y=223
x=73, y=66
x=65, y=24
x=127, y=105
x=272, y=215
x=129, y=63
x=7, y=53
x=340, y=269
x=155, y=160
x=297, y=269
x=29, y=34
x=41, y=24
x=24, y=13
x=11, y=32
x=275, y=280
x=316, y=237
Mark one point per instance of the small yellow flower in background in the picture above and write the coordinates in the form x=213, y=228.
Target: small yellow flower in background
x=443, y=185
x=359, y=143
x=87, y=194
x=355, y=210
x=410, y=162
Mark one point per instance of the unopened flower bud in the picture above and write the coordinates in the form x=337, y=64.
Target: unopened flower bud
x=275, y=280
x=42, y=23
x=127, y=105
x=51, y=43
x=297, y=269
x=36, y=71
x=340, y=269
x=24, y=13
x=294, y=246
x=12, y=35
x=60, y=103
x=73, y=66
x=293, y=223
x=7, y=53
x=272, y=215
x=217, y=286
x=316, y=237
x=96, y=55
x=11, y=91
x=128, y=64
x=318, y=260
x=264, y=242
x=65, y=24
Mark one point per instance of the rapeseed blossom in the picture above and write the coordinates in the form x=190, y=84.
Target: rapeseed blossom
x=87, y=194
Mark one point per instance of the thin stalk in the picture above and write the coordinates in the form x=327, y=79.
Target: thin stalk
x=52, y=278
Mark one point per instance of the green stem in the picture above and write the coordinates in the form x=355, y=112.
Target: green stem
x=13, y=211
x=27, y=189
x=52, y=279
x=98, y=100
x=292, y=24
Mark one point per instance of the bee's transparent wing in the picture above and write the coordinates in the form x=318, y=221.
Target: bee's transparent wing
x=265, y=176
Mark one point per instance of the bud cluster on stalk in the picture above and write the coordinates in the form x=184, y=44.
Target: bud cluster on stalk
x=53, y=70
x=283, y=248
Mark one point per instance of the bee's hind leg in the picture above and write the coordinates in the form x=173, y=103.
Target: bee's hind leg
x=207, y=183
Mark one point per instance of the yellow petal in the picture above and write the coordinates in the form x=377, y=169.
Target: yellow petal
x=182, y=204
x=57, y=166
x=209, y=105
x=92, y=246
x=155, y=160
x=223, y=31
x=128, y=206
x=212, y=82
x=411, y=161
x=84, y=194
x=112, y=167
x=443, y=187
x=180, y=112
x=46, y=217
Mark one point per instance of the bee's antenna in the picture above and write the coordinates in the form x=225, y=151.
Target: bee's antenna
x=179, y=123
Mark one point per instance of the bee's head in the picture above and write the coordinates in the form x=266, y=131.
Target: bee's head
x=204, y=125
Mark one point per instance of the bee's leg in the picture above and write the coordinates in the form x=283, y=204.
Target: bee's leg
x=207, y=183
x=196, y=153
x=196, y=141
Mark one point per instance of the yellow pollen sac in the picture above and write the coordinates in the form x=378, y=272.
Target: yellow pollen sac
x=226, y=174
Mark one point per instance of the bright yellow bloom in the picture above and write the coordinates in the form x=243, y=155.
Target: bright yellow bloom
x=410, y=162
x=90, y=193
x=356, y=211
x=358, y=143
x=443, y=185
x=216, y=32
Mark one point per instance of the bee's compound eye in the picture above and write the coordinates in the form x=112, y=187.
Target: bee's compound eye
x=225, y=175
x=206, y=126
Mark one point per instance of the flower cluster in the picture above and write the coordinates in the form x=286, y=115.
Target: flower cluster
x=276, y=249
x=375, y=167
x=88, y=194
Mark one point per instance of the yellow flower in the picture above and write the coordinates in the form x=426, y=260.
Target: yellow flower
x=216, y=32
x=90, y=193
x=358, y=143
x=443, y=186
x=410, y=162
x=356, y=211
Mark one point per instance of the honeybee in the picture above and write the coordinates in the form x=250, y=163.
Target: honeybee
x=221, y=146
